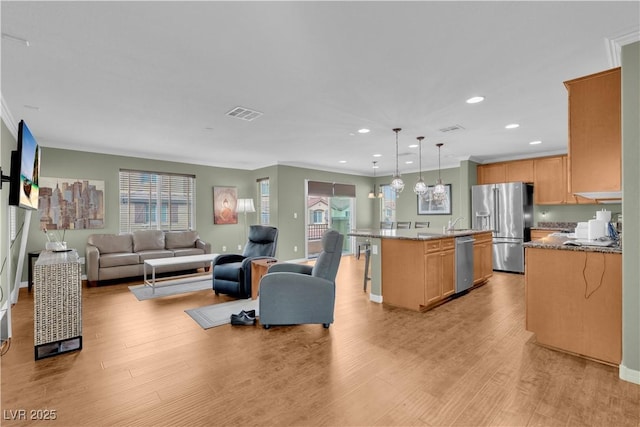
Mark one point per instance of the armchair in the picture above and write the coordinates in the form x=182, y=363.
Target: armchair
x=292, y=294
x=232, y=272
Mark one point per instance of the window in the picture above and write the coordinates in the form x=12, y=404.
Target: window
x=388, y=205
x=263, y=194
x=158, y=201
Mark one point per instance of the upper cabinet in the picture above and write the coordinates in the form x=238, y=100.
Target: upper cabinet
x=512, y=171
x=595, y=149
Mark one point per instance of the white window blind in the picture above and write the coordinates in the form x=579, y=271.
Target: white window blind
x=263, y=192
x=158, y=201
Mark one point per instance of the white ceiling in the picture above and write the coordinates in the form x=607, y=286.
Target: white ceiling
x=155, y=79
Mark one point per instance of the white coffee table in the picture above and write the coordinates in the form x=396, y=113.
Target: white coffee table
x=162, y=262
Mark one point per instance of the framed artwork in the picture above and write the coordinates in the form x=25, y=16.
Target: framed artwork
x=225, y=205
x=71, y=203
x=427, y=205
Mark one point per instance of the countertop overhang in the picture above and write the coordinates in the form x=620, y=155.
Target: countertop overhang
x=413, y=234
x=557, y=242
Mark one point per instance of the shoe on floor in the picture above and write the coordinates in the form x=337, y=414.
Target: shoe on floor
x=242, y=319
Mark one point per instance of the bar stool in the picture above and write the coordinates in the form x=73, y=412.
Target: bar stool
x=362, y=246
x=367, y=256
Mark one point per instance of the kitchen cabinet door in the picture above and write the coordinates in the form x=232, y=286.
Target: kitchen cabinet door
x=519, y=171
x=482, y=258
x=550, y=181
x=448, y=265
x=493, y=173
x=595, y=144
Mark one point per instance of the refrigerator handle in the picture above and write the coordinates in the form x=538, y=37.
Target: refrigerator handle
x=496, y=209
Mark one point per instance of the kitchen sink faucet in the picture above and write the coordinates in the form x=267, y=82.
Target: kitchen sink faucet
x=451, y=225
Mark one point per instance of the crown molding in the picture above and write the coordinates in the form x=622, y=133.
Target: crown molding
x=8, y=119
x=614, y=45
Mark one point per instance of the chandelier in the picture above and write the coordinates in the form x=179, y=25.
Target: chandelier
x=420, y=188
x=372, y=193
x=397, y=184
x=439, y=192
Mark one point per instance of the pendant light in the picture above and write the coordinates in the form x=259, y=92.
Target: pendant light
x=397, y=184
x=420, y=188
x=372, y=194
x=439, y=192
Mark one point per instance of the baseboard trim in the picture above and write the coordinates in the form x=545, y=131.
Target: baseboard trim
x=375, y=298
x=630, y=375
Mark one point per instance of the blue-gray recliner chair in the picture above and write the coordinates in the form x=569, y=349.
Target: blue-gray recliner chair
x=232, y=272
x=293, y=294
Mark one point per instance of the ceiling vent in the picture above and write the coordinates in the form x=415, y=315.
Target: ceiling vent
x=453, y=128
x=244, y=113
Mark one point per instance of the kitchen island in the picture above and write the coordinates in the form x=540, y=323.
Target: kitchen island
x=416, y=268
x=574, y=297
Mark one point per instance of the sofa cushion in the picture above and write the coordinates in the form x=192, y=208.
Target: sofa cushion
x=148, y=240
x=188, y=251
x=180, y=239
x=159, y=253
x=118, y=259
x=111, y=243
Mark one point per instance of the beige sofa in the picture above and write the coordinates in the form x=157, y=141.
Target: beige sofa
x=116, y=256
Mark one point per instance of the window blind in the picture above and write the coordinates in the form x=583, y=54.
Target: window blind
x=330, y=189
x=159, y=201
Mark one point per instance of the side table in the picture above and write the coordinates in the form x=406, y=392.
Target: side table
x=259, y=267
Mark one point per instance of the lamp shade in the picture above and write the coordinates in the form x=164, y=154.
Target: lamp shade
x=246, y=205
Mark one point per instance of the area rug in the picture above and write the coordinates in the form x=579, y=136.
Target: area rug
x=143, y=292
x=220, y=314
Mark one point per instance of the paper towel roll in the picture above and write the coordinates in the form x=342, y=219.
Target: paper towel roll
x=603, y=215
x=596, y=229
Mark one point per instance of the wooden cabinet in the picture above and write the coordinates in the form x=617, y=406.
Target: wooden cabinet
x=482, y=258
x=513, y=171
x=574, y=301
x=439, y=270
x=539, y=234
x=550, y=181
x=417, y=274
x=595, y=148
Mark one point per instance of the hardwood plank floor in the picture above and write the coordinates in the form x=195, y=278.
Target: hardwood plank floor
x=469, y=362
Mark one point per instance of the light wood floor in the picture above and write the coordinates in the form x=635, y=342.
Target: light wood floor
x=469, y=362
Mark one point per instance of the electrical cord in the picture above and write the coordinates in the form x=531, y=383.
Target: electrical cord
x=4, y=349
x=588, y=294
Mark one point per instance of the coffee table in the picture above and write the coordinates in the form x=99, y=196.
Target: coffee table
x=161, y=262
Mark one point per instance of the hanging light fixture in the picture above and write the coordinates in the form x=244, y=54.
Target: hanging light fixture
x=420, y=188
x=439, y=192
x=397, y=184
x=372, y=193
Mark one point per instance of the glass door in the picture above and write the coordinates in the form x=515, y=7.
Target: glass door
x=328, y=212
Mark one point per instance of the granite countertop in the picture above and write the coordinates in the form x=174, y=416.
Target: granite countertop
x=557, y=242
x=566, y=227
x=413, y=233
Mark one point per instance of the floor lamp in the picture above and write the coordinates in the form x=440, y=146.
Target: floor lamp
x=244, y=206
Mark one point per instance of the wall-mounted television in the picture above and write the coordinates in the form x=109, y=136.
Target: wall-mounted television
x=25, y=170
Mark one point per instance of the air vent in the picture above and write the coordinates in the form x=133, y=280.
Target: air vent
x=244, y=113
x=453, y=128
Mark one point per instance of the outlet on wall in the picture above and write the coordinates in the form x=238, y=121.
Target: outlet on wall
x=295, y=215
x=295, y=249
x=239, y=247
x=224, y=249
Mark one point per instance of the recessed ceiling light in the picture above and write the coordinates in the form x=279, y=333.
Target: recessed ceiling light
x=342, y=161
x=376, y=166
x=363, y=130
x=377, y=155
x=475, y=99
x=535, y=142
x=413, y=146
x=512, y=126
x=408, y=162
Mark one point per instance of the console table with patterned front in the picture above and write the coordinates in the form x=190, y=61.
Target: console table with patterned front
x=57, y=325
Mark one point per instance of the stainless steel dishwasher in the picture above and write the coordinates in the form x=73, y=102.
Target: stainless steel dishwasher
x=464, y=263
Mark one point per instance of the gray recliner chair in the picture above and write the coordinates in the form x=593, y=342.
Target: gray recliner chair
x=293, y=294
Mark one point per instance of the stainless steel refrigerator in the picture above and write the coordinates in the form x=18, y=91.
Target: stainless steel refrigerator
x=506, y=210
